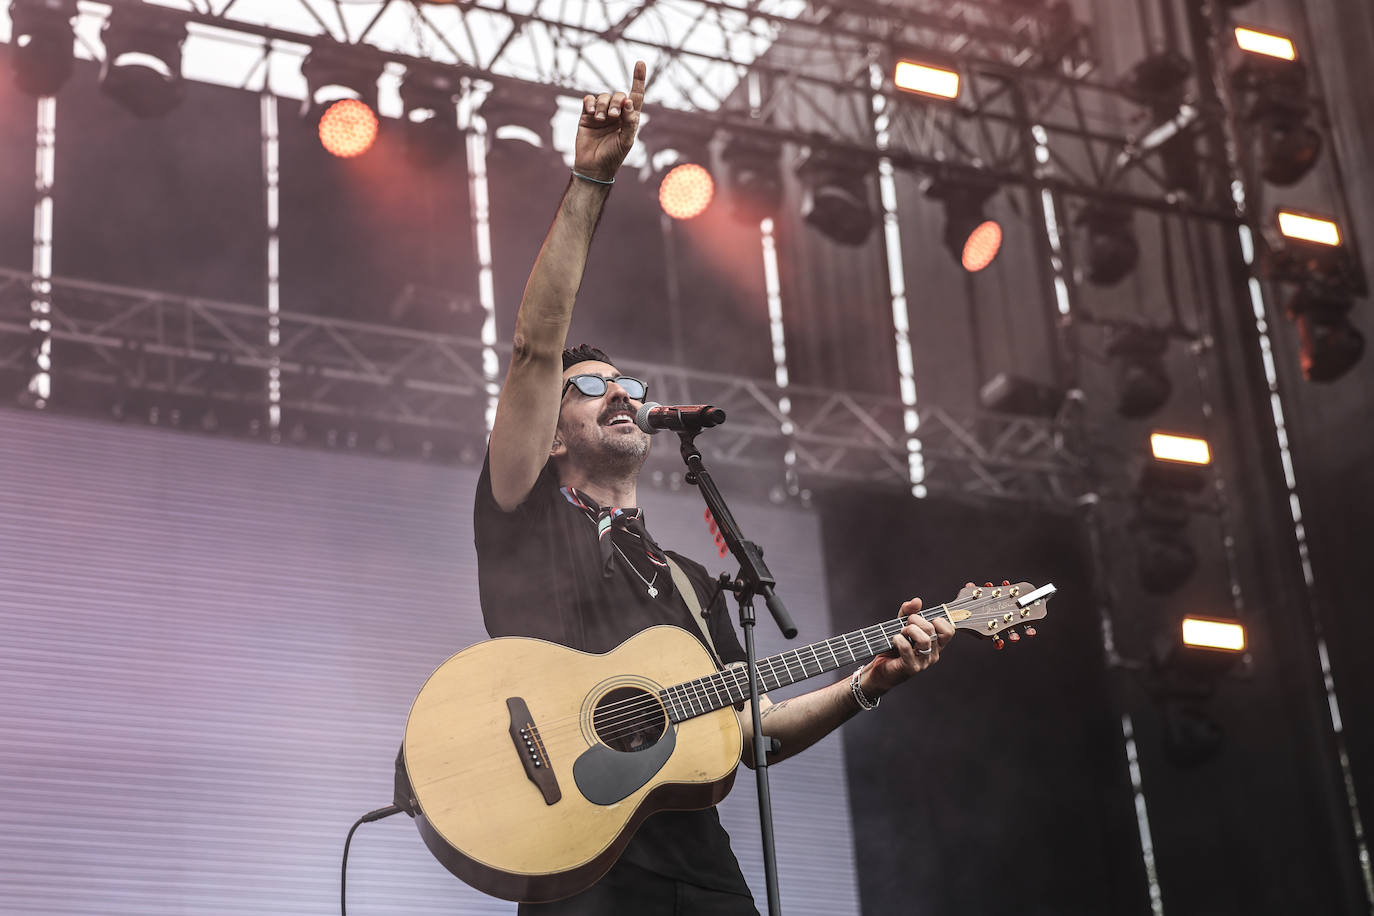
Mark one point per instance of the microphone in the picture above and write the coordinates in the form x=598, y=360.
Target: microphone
x=683, y=417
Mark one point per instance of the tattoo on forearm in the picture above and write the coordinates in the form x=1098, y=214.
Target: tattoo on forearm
x=774, y=708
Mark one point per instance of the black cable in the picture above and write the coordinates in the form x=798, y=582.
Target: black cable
x=343, y=871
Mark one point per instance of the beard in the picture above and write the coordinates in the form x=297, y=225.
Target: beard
x=605, y=452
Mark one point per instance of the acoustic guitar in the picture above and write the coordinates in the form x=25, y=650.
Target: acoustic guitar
x=532, y=764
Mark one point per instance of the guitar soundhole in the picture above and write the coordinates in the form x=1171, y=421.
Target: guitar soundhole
x=626, y=719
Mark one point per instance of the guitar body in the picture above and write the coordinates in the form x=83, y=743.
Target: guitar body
x=533, y=764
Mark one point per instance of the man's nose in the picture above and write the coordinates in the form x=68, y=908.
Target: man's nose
x=614, y=391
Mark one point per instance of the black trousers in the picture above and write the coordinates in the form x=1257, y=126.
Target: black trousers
x=628, y=889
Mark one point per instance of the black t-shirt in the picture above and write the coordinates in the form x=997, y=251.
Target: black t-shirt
x=541, y=573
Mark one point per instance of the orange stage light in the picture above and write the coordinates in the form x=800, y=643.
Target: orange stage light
x=982, y=246
x=686, y=191
x=348, y=128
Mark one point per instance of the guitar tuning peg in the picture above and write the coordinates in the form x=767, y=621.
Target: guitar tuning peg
x=1014, y=636
x=997, y=643
x=1005, y=582
x=987, y=585
x=1030, y=631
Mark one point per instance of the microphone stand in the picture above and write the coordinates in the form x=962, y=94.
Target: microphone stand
x=754, y=578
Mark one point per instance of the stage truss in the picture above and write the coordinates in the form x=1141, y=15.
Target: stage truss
x=800, y=74
x=130, y=352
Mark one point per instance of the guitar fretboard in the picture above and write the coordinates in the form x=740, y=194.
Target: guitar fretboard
x=726, y=688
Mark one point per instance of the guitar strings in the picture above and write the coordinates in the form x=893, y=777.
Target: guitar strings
x=625, y=717
x=644, y=710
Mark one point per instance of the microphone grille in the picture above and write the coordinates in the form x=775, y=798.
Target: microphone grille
x=642, y=417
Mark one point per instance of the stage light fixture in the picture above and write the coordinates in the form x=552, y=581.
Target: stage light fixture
x=41, y=44
x=1165, y=559
x=1142, y=383
x=1181, y=449
x=430, y=115
x=969, y=234
x=1300, y=227
x=1328, y=344
x=680, y=160
x=686, y=190
x=341, y=101
x=1271, y=84
x=1311, y=254
x=1160, y=84
x=519, y=121
x=1265, y=44
x=835, y=195
x=926, y=79
x=754, y=176
x=142, y=68
x=1007, y=393
x=1111, y=251
x=1214, y=634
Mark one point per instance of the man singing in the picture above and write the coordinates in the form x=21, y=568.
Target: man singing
x=564, y=555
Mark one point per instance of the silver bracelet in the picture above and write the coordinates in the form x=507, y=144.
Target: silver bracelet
x=577, y=174
x=859, y=696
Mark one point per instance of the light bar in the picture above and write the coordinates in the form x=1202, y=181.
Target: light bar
x=1183, y=449
x=926, y=79
x=1309, y=228
x=1202, y=633
x=1263, y=43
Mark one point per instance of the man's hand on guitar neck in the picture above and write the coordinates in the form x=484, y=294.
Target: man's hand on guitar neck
x=915, y=649
x=799, y=722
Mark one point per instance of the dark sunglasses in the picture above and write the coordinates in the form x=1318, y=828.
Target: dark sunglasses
x=594, y=386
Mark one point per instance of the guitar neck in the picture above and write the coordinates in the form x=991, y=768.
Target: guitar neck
x=731, y=686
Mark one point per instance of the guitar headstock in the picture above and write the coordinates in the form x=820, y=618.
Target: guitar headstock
x=991, y=610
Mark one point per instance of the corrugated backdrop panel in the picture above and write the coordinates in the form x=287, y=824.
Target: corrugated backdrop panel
x=207, y=651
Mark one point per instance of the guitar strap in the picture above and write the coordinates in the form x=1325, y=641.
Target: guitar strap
x=689, y=595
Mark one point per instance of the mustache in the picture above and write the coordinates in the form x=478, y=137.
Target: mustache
x=615, y=407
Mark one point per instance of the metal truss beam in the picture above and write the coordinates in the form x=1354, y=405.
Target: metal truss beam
x=116, y=345
x=801, y=74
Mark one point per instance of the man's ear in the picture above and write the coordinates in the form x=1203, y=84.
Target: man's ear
x=556, y=448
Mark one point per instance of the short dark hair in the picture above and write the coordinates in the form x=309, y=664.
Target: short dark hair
x=581, y=354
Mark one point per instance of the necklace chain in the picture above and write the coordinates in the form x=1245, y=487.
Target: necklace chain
x=648, y=583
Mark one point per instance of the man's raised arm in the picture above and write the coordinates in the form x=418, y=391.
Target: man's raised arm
x=527, y=413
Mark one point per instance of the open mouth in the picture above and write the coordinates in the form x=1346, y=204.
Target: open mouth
x=619, y=418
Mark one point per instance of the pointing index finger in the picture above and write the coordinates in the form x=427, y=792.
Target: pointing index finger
x=637, y=87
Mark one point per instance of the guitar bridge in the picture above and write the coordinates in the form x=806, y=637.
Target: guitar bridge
x=533, y=755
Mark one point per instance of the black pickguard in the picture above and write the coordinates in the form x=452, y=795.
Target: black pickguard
x=605, y=776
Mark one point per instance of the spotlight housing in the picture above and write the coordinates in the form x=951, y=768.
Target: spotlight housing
x=520, y=123
x=1160, y=84
x=755, y=177
x=341, y=101
x=1328, y=344
x=1111, y=250
x=1165, y=559
x=430, y=115
x=1273, y=93
x=142, y=68
x=835, y=195
x=972, y=238
x=681, y=163
x=1142, y=383
x=41, y=44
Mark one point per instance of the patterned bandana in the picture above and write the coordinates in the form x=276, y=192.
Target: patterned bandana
x=625, y=526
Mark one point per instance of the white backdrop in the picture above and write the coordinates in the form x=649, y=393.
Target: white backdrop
x=207, y=651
